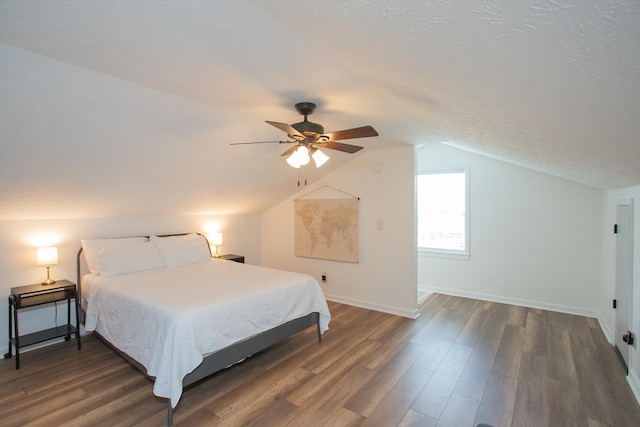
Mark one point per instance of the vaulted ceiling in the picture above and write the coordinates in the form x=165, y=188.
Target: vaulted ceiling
x=127, y=108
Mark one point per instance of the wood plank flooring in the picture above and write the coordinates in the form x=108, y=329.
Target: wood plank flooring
x=461, y=363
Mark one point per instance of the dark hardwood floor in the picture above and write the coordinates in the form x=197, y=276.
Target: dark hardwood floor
x=461, y=363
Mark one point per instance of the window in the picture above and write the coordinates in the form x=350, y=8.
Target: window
x=443, y=223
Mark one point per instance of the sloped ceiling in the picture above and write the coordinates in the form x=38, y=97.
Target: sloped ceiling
x=121, y=108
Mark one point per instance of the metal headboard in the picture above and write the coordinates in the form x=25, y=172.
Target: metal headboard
x=79, y=263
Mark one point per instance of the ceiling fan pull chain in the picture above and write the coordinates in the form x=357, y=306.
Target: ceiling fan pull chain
x=305, y=177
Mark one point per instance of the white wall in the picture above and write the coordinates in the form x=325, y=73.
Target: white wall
x=18, y=251
x=535, y=240
x=608, y=274
x=385, y=277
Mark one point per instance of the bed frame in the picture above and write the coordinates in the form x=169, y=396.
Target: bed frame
x=227, y=356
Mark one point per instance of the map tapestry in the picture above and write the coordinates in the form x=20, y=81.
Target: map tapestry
x=327, y=229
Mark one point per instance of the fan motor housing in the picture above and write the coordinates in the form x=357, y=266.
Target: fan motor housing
x=308, y=127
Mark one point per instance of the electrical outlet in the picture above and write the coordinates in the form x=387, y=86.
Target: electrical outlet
x=324, y=278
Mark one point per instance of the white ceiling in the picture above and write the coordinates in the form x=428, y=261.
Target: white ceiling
x=126, y=108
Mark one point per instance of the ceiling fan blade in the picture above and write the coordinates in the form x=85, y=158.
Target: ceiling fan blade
x=289, y=151
x=361, y=132
x=260, y=142
x=287, y=129
x=347, y=148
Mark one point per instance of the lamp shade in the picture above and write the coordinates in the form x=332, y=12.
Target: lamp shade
x=319, y=158
x=215, y=239
x=303, y=155
x=293, y=161
x=48, y=256
x=300, y=157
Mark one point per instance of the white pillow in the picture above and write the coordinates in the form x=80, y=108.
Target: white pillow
x=140, y=256
x=91, y=248
x=183, y=250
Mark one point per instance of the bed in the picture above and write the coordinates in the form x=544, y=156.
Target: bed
x=181, y=315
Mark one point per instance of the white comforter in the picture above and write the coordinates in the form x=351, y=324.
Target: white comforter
x=167, y=319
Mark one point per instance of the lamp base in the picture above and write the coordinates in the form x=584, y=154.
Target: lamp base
x=49, y=280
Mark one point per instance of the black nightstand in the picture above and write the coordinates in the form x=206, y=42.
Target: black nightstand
x=232, y=257
x=33, y=295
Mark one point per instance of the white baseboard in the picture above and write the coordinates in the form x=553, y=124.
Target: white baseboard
x=423, y=294
x=428, y=290
x=634, y=383
x=411, y=314
x=515, y=301
x=606, y=330
x=422, y=298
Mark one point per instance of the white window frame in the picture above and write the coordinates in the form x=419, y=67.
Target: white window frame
x=448, y=253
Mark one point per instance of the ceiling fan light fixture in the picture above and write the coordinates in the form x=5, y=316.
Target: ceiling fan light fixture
x=303, y=155
x=298, y=158
x=319, y=158
x=293, y=161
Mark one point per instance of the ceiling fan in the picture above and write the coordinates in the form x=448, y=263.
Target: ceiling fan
x=310, y=137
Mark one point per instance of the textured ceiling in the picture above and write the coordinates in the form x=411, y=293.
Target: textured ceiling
x=120, y=108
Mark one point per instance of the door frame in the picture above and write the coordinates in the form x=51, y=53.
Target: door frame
x=623, y=348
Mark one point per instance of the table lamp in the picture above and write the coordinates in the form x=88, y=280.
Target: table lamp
x=48, y=257
x=216, y=240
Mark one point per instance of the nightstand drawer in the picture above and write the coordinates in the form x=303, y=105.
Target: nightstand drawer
x=30, y=295
x=31, y=300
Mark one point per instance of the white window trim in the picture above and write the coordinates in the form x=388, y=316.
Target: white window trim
x=449, y=253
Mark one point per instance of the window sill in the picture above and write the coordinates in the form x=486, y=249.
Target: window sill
x=445, y=255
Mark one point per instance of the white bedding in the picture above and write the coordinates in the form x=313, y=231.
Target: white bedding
x=168, y=318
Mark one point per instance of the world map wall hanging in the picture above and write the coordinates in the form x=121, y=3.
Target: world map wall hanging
x=327, y=227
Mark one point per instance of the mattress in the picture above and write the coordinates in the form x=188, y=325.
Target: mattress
x=167, y=319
